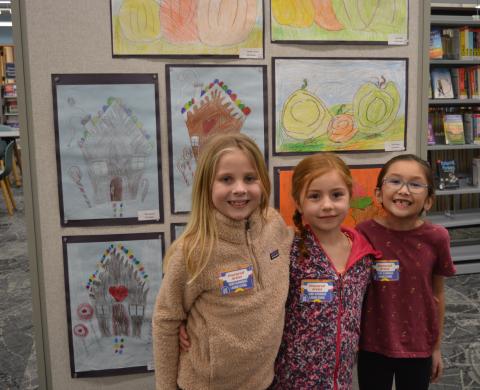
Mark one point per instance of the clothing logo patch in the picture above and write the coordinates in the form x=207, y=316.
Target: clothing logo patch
x=274, y=254
x=386, y=270
x=237, y=280
x=316, y=290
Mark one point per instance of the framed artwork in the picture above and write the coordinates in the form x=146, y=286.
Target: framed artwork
x=317, y=108
x=203, y=100
x=111, y=284
x=176, y=229
x=363, y=205
x=176, y=28
x=108, y=148
x=342, y=21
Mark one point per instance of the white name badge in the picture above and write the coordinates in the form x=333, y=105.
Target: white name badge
x=386, y=270
x=316, y=290
x=236, y=281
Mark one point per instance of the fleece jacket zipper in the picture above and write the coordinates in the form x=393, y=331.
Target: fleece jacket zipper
x=251, y=251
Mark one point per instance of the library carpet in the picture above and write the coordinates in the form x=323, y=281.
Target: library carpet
x=18, y=368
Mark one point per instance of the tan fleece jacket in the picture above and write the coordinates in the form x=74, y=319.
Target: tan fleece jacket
x=235, y=336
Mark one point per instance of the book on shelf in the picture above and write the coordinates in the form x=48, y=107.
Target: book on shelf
x=468, y=127
x=436, y=46
x=447, y=177
x=430, y=133
x=476, y=128
x=442, y=83
x=453, y=128
x=10, y=90
x=476, y=172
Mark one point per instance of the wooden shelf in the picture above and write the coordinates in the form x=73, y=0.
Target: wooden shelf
x=453, y=20
x=455, y=62
x=456, y=219
x=458, y=191
x=451, y=102
x=465, y=253
x=453, y=147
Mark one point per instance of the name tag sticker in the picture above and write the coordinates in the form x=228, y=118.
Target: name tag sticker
x=386, y=270
x=316, y=290
x=236, y=281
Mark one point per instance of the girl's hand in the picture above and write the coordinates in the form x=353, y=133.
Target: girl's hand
x=183, y=339
x=437, y=366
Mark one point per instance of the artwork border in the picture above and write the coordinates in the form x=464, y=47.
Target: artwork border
x=169, y=117
x=274, y=92
x=173, y=225
x=185, y=56
x=105, y=78
x=278, y=169
x=336, y=42
x=99, y=238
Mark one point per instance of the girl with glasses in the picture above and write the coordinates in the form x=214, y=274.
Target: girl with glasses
x=404, y=307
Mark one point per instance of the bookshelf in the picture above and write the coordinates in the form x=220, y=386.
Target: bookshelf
x=8, y=87
x=458, y=209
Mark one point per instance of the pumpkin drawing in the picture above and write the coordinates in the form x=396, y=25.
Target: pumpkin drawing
x=179, y=21
x=304, y=115
x=370, y=15
x=225, y=22
x=341, y=127
x=294, y=13
x=139, y=20
x=375, y=106
x=325, y=15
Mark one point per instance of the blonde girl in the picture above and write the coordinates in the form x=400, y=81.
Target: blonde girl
x=227, y=276
x=329, y=272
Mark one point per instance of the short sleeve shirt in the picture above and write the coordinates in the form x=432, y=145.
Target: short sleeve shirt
x=400, y=315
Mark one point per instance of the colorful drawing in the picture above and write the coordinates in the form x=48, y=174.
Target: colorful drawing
x=317, y=108
x=111, y=284
x=363, y=204
x=107, y=150
x=366, y=21
x=186, y=27
x=207, y=100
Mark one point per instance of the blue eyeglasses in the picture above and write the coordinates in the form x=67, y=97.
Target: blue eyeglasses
x=414, y=187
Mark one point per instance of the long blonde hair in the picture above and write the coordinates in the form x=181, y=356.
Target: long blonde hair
x=201, y=234
x=307, y=171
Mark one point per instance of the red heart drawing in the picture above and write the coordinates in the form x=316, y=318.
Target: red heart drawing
x=118, y=292
x=208, y=124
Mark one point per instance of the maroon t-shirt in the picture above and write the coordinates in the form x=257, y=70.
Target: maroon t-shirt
x=400, y=316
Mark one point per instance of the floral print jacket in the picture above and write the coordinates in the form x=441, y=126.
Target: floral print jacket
x=321, y=333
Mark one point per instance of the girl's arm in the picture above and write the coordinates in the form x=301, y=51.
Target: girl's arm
x=171, y=307
x=439, y=296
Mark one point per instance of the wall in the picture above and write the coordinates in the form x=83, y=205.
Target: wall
x=66, y=36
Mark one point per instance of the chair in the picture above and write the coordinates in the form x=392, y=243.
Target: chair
x=4, y=183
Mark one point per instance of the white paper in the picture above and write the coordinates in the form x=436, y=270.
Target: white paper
x=148, y=215
x=397, y=39
x=252, y=52
x=394, y=146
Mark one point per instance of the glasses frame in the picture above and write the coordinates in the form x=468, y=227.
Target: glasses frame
x=405, y=183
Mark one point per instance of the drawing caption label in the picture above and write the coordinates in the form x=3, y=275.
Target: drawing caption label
x=386, y=270
x=251, y=52
x=316, y=290
x=148, y=215
x=237, y=280
x=397, y=39
x=394, y=146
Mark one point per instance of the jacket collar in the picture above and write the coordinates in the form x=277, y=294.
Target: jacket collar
x=234, y=231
